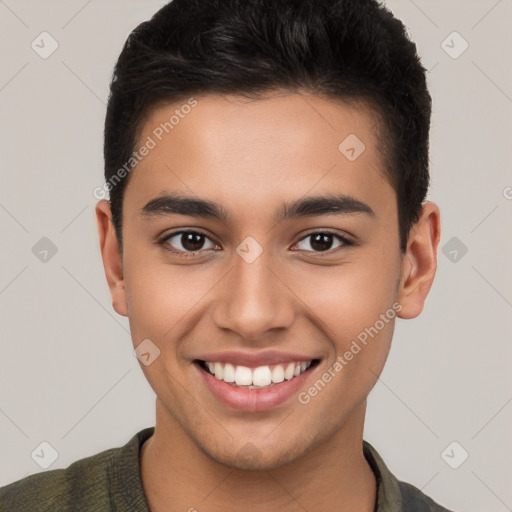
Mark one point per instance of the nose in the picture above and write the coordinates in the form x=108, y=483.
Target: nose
x=253, y=300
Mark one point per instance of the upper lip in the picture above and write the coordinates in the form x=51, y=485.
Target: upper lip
x=254, y=359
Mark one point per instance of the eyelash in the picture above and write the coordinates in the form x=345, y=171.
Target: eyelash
x=163, y=242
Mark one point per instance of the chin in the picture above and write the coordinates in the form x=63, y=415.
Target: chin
x=250, y=457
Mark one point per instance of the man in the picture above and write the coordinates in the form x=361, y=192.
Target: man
x=267, y=165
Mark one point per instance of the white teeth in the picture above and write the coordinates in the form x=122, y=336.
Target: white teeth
x=262, y=376
x=289, y=372
x=229, y=373
x=278, y=374
x=259, y=377
x=217, y=368
x=243, y=376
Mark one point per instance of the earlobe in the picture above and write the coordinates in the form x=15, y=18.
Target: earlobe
x=112, y=261
x=419, y=262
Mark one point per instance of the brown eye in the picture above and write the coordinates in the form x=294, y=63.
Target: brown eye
x=188, y=241
x=321, y=242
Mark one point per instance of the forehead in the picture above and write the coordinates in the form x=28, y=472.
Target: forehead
x=237, y=151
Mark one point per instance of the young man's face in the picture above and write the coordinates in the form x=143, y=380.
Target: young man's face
x=302, y=298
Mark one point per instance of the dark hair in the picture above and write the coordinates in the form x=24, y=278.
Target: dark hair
x=347, y=50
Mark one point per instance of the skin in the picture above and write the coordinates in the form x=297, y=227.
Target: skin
x=250, y=157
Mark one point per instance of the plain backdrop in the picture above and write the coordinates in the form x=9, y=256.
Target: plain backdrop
x=68, y=374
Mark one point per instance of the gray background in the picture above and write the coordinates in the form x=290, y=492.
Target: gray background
x=68, y=374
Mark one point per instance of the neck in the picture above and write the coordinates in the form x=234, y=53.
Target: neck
x=178, y=476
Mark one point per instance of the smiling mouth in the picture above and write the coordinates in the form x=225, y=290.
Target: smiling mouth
x=260, y=377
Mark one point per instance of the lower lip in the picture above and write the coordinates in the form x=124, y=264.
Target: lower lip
x=253, y=400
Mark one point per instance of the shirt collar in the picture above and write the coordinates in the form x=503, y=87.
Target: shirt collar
x=389, y=496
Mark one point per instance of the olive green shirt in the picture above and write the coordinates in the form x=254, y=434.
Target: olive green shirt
x=111, y=481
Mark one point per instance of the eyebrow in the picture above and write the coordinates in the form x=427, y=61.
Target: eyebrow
x=332, y=204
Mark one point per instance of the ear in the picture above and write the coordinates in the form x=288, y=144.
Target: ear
x=419, y=262
x=112, y=261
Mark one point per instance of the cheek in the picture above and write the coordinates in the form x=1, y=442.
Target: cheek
x=159, y=297
x=355, y=309
x=349, y=298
